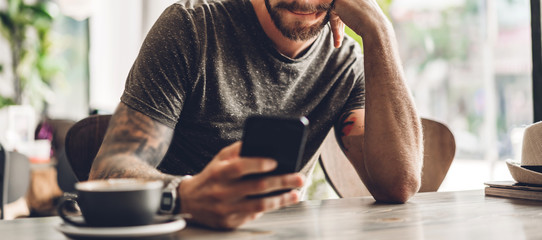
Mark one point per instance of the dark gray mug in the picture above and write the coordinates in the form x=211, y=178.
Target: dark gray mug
x=114, y=202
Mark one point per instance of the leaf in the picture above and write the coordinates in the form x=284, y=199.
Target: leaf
x=41, y=10
x=6, y=24
x=14, y=7
x=355, y=36
x=6, y=102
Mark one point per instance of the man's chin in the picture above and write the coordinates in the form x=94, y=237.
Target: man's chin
x=298, y=32
x=298, y=26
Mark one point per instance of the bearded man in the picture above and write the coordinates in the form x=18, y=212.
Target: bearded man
x=206, y=66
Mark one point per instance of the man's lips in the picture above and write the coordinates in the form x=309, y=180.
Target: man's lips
x=313, y=14
x=303, y=13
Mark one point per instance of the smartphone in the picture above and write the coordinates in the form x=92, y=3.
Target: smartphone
x=279, y=138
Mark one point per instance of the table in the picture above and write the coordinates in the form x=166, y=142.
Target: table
x=437, y=215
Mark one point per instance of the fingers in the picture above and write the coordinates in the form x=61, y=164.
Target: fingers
x=337, y=28
x=268, y=184
x=241, y=189
x=238, y=167
x=227, y=164
x=229, y=152
x=217, y=197
x=254, y=208
x=260, y=205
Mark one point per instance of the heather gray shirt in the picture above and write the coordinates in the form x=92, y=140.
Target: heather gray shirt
x=205, y=66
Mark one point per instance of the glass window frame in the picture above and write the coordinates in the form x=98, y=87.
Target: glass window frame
x=537, y=59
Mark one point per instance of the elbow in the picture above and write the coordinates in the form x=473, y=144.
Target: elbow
x=394, y=196
x=402, y=186
x=398, y=191
x=97, y=169
x=95, y=174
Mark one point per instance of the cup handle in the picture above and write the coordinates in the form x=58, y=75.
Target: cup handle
x=64, y=201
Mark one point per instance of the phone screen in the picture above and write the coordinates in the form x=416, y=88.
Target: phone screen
x=282, y=139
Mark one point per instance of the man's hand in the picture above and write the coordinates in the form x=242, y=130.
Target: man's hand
x=360, y=15
x=337, y=28
x=217, y=197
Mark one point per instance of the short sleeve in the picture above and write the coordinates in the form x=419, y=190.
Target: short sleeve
x=356, y=99
x=161, y=76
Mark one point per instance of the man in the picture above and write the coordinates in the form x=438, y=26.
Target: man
x=205, y=66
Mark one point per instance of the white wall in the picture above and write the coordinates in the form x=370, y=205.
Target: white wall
x=117, y=29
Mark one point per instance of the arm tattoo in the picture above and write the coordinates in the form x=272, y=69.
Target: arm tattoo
x=343, y=128
x=133, y=146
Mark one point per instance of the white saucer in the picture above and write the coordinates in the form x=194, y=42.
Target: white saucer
x=122, y=232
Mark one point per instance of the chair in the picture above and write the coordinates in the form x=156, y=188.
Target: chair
x=439, y=151
x=14, y=179
x=83, y=141
x=58, y=128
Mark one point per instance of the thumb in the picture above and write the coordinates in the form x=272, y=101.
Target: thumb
x=337, y=28
x=229, y=152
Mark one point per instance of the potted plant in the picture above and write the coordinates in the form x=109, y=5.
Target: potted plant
x=27, y=28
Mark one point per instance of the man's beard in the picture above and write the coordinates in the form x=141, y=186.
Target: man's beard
x=297, y=32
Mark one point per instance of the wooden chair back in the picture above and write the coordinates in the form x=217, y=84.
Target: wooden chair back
x=439, y=151
x=83, y=141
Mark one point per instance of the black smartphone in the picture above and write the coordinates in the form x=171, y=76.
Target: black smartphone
x=280, y=138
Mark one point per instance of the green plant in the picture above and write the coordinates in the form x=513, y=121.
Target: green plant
x=27, y=29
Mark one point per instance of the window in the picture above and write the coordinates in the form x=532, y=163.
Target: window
x=537, y=58
x=468, y=64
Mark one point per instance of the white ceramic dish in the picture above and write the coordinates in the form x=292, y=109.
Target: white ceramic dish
x=122, y=232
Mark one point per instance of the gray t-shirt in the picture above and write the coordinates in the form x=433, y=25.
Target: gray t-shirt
x=205, y=66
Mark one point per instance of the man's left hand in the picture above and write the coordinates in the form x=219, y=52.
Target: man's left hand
x=362, y=16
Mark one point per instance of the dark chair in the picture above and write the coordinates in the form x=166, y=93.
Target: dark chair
x=439, y=151
x=14, y=177
x=83, y=141
x=58, y=128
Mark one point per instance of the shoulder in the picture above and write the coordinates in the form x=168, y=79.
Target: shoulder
x=198, y=5
x=348, y=55
x=351, y=55
x=191, y=4
x=192, y=17
x=201, y=14
x=350, y=49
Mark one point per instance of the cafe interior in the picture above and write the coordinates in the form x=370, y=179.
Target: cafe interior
x=473, y=67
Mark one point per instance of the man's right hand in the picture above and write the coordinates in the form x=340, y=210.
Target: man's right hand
x=217, y=197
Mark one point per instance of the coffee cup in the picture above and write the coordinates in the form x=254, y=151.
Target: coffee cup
x=114, y=202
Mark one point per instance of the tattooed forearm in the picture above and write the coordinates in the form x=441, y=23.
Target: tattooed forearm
x=152, y=155
x=133, y=146
x=344, y=126
x=122, y=166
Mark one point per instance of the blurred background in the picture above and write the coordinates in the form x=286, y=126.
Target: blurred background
x=468, y=64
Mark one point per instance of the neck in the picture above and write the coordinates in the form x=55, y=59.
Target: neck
x=283, y=44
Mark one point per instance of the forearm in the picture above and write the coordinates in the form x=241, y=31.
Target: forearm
x=393, y=137
x=132, y=148
x=115, y=167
